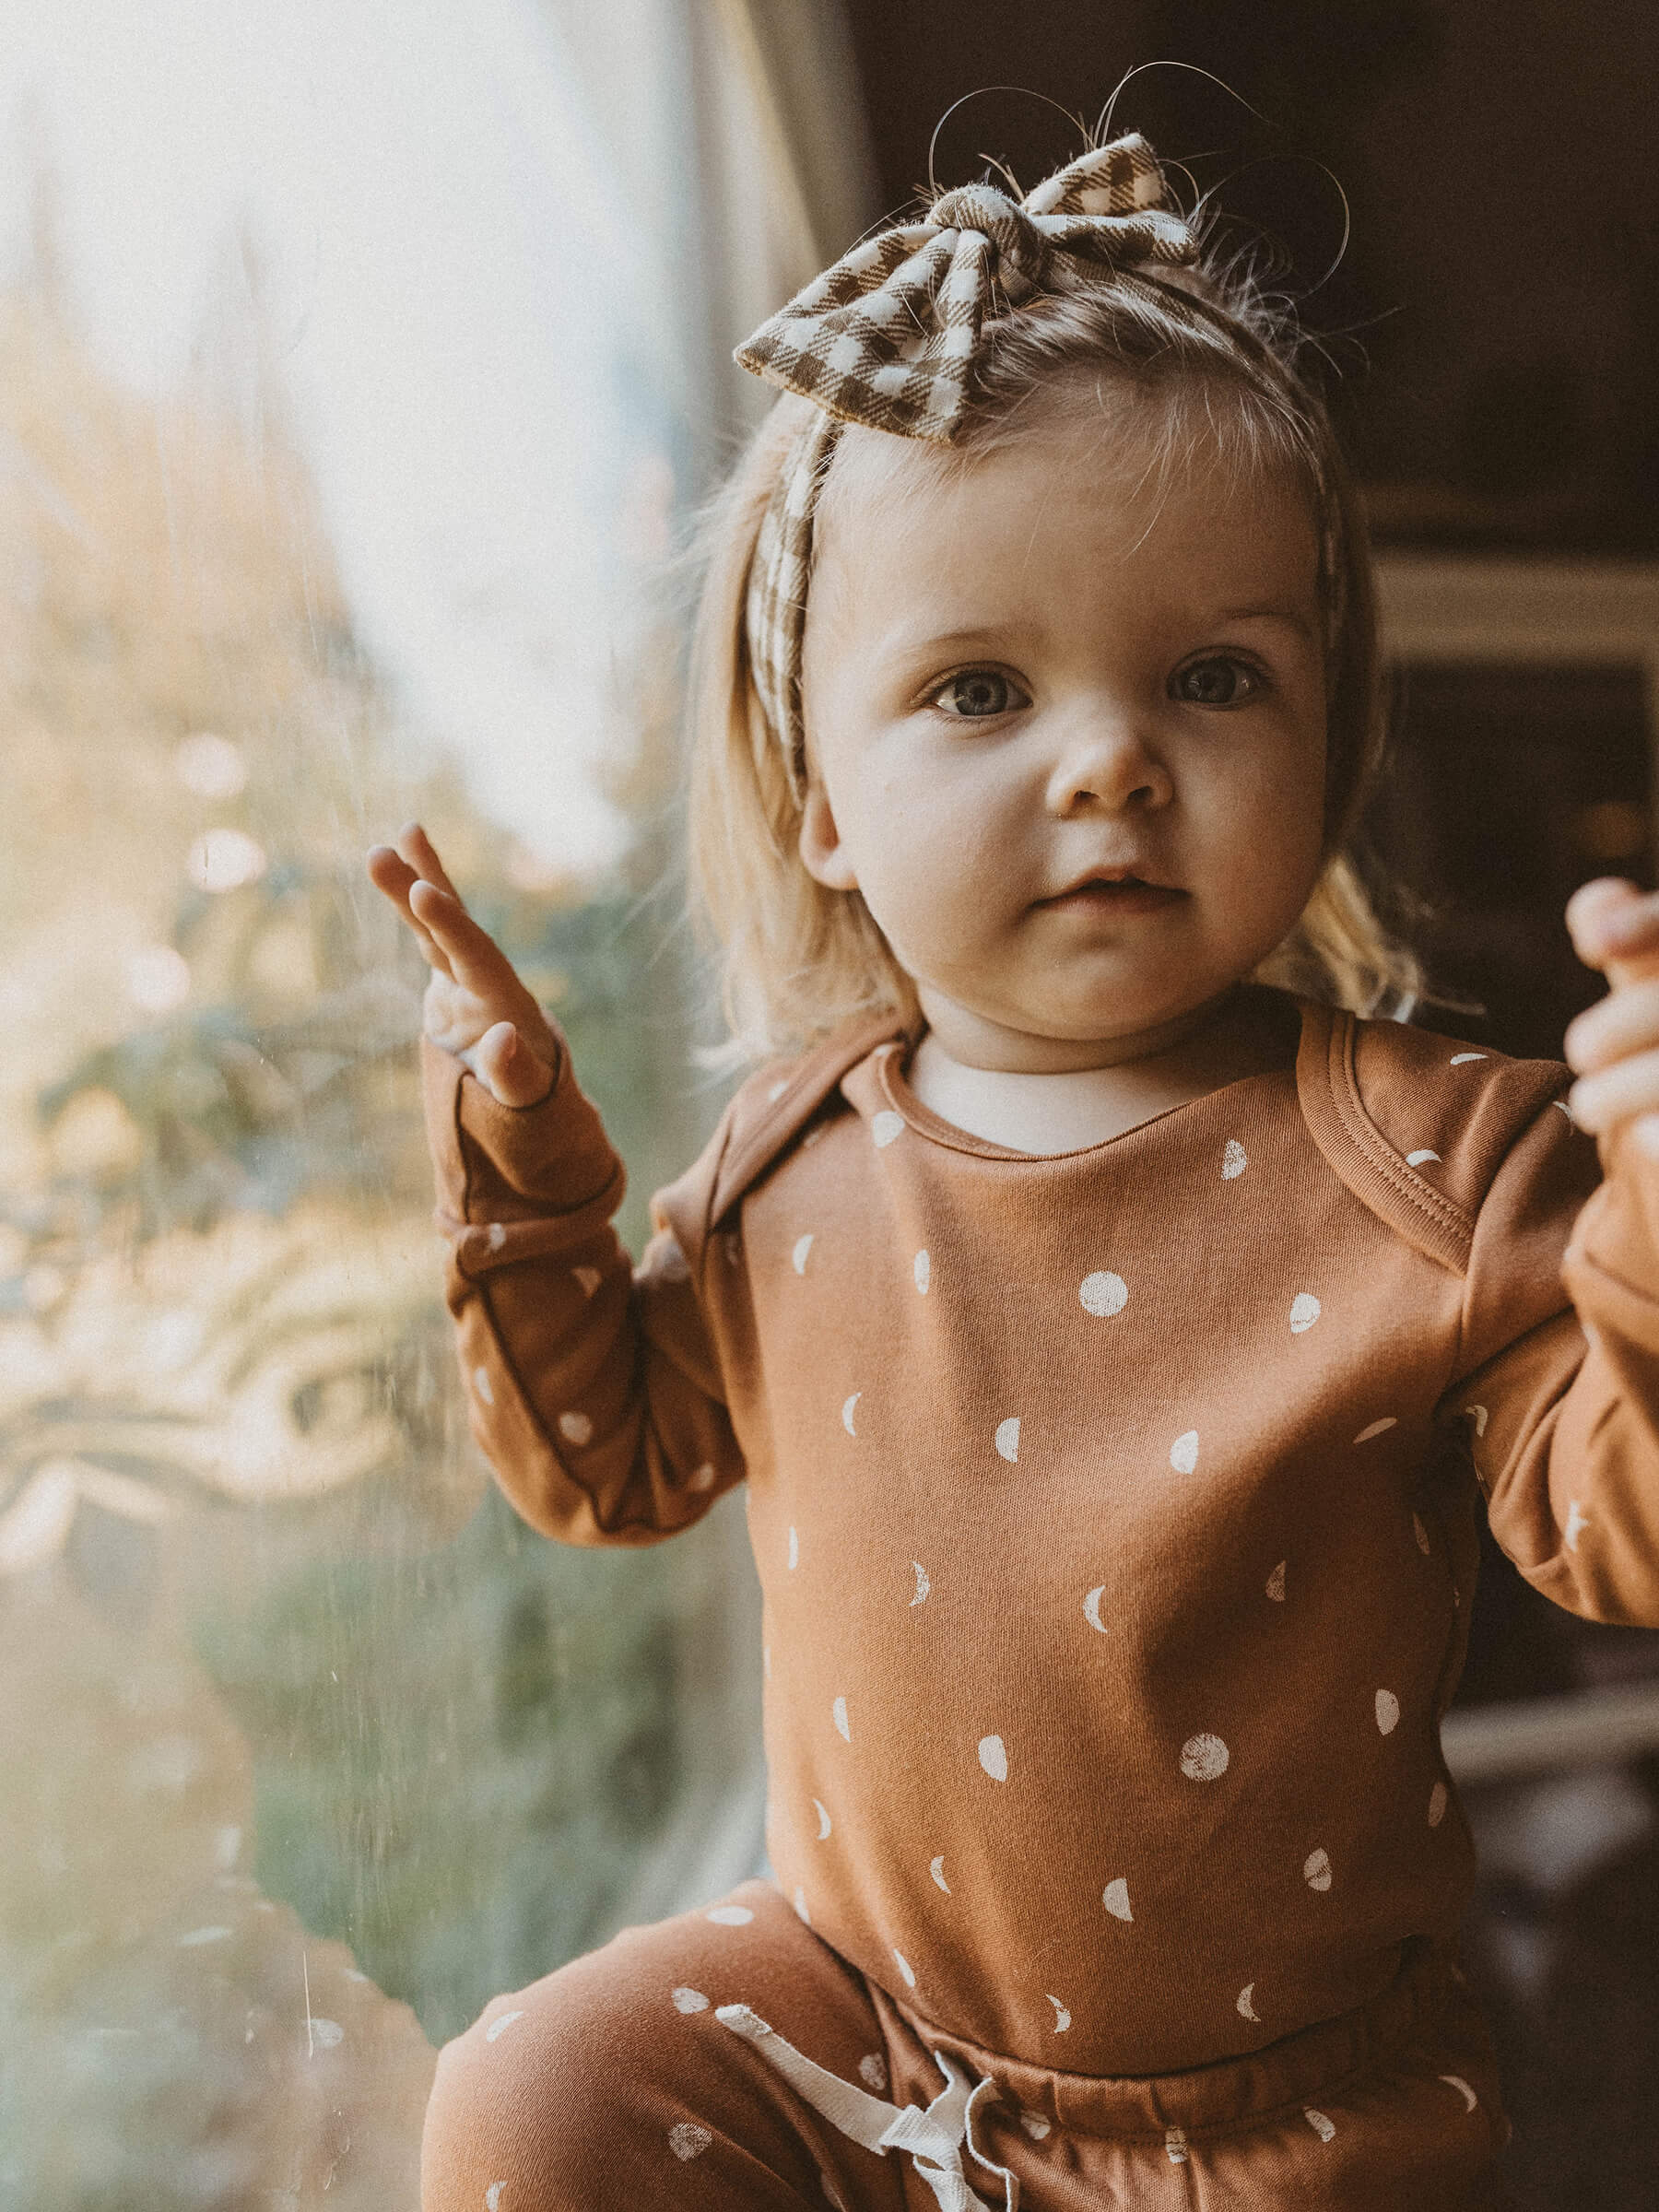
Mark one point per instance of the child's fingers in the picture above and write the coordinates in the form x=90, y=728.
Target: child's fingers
x=513, y=1073
x=419, y=850
x=1615, y=1094
x=1614, y=926
x=476, y=960
x=1626, y=1021
x=391, y=876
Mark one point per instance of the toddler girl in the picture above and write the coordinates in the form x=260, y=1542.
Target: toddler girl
x=1113, y=1329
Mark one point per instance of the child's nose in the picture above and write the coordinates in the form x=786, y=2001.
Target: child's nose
x=1108, y=763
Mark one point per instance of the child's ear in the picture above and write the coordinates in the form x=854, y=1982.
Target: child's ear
x=823, y=855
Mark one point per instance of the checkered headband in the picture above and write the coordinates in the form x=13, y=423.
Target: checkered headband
x=890, y=334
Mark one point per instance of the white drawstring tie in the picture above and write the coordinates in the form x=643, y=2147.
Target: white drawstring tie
x=935, y=2138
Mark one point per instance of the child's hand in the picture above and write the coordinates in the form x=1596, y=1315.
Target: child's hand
x=475, y=1006
x=1613, y=1046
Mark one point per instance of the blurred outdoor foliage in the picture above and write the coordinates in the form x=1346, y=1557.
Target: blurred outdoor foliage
x=296, y=1706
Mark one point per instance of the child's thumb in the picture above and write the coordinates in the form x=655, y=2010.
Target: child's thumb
x=513, y=1074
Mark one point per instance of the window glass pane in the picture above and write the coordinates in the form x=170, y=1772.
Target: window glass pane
x=344, y=422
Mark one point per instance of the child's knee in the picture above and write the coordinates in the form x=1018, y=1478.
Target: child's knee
x=522, y=2105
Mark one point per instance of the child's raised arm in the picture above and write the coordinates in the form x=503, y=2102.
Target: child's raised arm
x=594, y=1390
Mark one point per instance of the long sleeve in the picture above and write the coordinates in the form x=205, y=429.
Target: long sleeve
x=1561, y=1399
x=593, y=1387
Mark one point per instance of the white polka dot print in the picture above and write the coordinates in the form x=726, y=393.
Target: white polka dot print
x=690, y=2000
x=849, y=1411
x=794, y=1549
x=1062, y=2015
x=924, y=1583
x=1103, y=1294
x=588, y=1279
x=937, y=1868
x=702, y=1478
x=1276, y=1583
x=1035, y=2125
x=575, y=1427
x=1388, y=1711
x=1419, y=1159
x=1325, y=2129
x=1204, y=1759
x=729, y=1916
x=886, y=1126
x=922, y=1270
x=905, y=1968
x=498, y=1235
x=775, y=1090
x=1115, y=1897
x=1008, y=1439
x=994, y=1757
x=824, y=1821
x=873, y=2072
x=1316, y=1869
x=1389, y=1420
x=481, y=1383
x=1578, y=1520
x=1234, y=1161
x=1437, y=1804
x=803, y=1245
x=1091, y=1607
x=1244, y=2004
x=1304, y=1311
x=687, y=2141
x=500, y=2025
x=1184, y=1452
x=842, y=1726
x=1175, y=2145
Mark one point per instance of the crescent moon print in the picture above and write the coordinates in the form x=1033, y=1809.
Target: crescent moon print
x=803, y=1246
x=1246, y=2006
x=1456, y=2081
x=924, y=1583
x=848, y=1410
x=1008, y=1439
x=1116, y=1900
x=1389, y=1420
x=937, y=1868
x=1091, y=1607
x=1061, y=2016
x=823, y=1823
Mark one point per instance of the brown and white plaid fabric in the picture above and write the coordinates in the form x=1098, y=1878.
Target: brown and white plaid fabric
x=889, y=336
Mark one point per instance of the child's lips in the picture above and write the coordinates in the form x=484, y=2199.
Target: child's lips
x=1122, y=895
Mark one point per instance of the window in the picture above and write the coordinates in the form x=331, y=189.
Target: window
x=357, y=368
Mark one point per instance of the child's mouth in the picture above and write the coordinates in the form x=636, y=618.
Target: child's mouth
x=1120, y=894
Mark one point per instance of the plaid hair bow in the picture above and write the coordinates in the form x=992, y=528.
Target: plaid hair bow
x=889, y=336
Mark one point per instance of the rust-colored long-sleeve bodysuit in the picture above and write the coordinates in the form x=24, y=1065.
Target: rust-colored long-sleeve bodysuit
x=1115, y=1517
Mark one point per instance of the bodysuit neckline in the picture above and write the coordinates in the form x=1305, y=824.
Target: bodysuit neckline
x=890, y=1059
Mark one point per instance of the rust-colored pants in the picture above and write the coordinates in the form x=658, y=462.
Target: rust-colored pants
x=644, y=2076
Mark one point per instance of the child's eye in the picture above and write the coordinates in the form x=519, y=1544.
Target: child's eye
x=979, y=694
x=1219, y=681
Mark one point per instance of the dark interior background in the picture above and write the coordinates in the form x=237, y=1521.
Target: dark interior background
x=1491, y=329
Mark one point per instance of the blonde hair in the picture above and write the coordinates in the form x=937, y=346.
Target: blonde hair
x=798, y=959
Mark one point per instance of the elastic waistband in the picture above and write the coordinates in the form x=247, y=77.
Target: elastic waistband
x=1287, y=2074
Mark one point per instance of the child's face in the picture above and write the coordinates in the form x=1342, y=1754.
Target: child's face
x=1035, y=669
